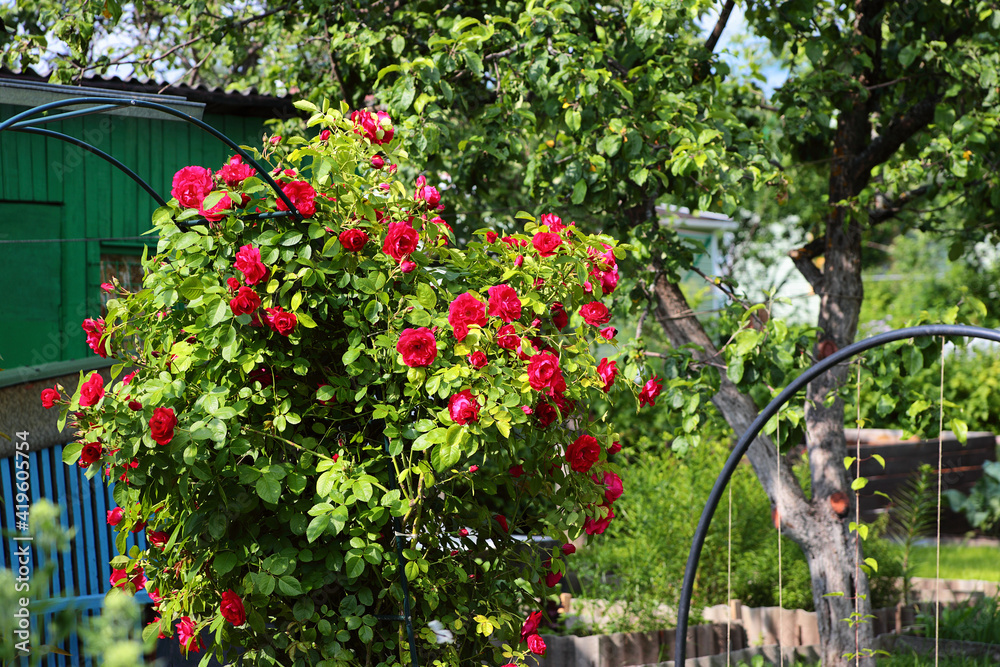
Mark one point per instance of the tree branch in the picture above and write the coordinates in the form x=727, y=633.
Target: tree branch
x=501, y=54
x=803, y=260
x=900, y=128
x=720, y=25
x=887, y=209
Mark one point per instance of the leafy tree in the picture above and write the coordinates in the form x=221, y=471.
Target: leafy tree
x=606, y=110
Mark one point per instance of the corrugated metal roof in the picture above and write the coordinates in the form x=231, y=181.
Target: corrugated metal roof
x=216, y=99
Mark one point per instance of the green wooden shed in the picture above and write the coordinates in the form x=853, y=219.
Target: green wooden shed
x=69, y=220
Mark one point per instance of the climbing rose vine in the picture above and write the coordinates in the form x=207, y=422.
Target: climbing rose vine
x=325, y=403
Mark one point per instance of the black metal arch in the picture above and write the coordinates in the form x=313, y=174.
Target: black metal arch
x=26, y=121
x=684, y=606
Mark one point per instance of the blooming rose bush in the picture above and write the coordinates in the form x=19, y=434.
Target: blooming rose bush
x=321, y=403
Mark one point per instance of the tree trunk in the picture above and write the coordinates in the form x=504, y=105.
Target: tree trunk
x=828, y=546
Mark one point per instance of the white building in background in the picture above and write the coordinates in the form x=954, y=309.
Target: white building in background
x=708, y=231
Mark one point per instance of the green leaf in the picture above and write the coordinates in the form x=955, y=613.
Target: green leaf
x=573, y=119
x=224, y=562
x=269, y=489
x=289, y=585
x=872, y=563
x=859, y=483
x=338, y=519
x=429, y=439
x=579, y=192
x=914, y=360
x=960, y=429
x=426, y=296
x=447, y=453
x=880, y=460
x=317, y=527
x=355, y=565
x=848, y=461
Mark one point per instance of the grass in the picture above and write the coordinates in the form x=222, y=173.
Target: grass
x=958, y=562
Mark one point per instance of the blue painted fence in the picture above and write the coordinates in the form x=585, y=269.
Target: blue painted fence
x=82, y=574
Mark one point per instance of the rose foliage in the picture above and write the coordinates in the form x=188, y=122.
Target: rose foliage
x=321, y=404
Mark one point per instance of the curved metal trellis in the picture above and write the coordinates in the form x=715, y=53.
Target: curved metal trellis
x=701, y=532
x=26, y=121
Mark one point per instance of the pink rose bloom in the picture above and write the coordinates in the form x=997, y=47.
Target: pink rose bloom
x=400, y=241
x=463, y=407
x=583, y=453
x=49, y=397
x=608, y=333
x=596, y=526
x=280, y=321
x=544, y=373
x=546, y=243
x=245, y=302
x=186, y=636
x=560, y=318
x=417, y=347
x=92, y=390
x=650, y=391
x=234, y=172
x=478, y=359
x=218, y=211
x=115, y=516
x=377, y=162
x=530, y=626
x=491, y=237
x=595, y=313
x=370, y=125
x=191, y=185
x=249, y=264
x=463, y=311
x=504, y=303
x=536, y=644
x=429, y=194
x=95, y=331
x=607, y=370
x=303, y=197
x=507, y=337
x=612, y=484
x=552, y=221
x=353, y=240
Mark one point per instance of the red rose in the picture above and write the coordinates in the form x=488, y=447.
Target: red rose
x=478, y=359
x=464, y=532
x=502, y=520
x=234, y=172
x=463, y=311
x=417, y=347
x=429, y=194
x=536, y=644
x=191, y=185
x=614, y=448
x=91, y=453
x=161, y=425
x=553, y=222
x=262, y=375
x=649, y=392
x=595, y=313
x=135, y=405
x=516, y=471
x=491, y=237
x=217, y=212
x=115, y=516
x=95, y=330
x=377, y=162
x=353, y=240
x=120, y=578
x=92, y=390
x=552, y=578
x=583, y=453
x=463, y=407
x=514, y=243
x=568, y=549
x=612, y=484
x=400, y=241
x=302, y=195
x=530, y=626
x=370, y=125
x=186, y=636
x=50, y=396
x=559, y=316
x=544, y=373
x=507, y=337
x=232, y=608
x=280, y=321
x=607, y=370
x=248, y=262
x=546, y=243
x=504, y=303
x=473, y=468
x=157, y=538
x=546, y=413
x=608, y=333
x=245, y=302
x=324, y=135
x=596, y=526
x=233, y=283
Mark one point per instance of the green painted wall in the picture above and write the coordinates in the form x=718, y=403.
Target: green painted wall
x=61, y=207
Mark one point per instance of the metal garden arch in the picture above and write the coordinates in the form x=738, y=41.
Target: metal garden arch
x=743, y=444
x=27, y=121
